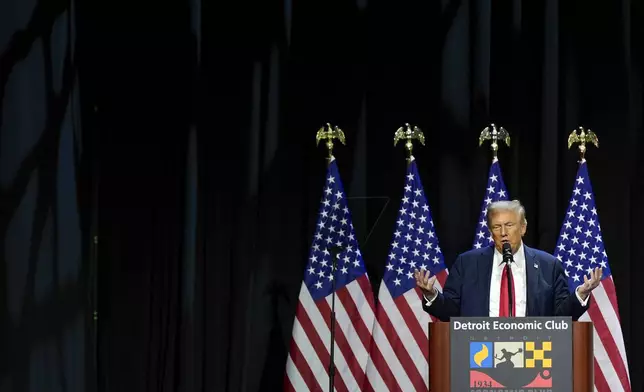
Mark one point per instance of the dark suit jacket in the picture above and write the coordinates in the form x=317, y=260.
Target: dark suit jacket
x=467, y=289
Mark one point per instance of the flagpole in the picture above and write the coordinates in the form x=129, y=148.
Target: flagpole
x=329, y=133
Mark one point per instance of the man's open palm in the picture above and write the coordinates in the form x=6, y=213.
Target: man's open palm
x=591, y=281
x=425, y=282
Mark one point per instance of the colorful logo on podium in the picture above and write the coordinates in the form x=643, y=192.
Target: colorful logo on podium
x=513, y=364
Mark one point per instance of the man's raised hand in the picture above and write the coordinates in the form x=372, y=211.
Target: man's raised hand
x=590, y=282
x=425, y=282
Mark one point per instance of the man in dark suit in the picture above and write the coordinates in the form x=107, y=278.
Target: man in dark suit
x=477, y=284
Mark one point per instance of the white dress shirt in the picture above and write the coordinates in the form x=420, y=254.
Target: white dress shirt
x=519, y=285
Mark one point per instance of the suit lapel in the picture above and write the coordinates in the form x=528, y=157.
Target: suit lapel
x=485, y=263
x=532, y=276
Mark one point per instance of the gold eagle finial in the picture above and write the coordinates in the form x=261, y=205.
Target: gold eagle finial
x=584, y=136
x=494, y=134
x=408, y=133
x=329, y=133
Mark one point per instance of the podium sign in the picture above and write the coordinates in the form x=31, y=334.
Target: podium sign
x=529, y=354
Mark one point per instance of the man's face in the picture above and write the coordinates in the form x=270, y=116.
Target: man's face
x=506, y=226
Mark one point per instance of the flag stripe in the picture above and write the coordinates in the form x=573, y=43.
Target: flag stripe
x=385, y=340
x=288, y=387
x=316, y=327
x=604, y=305
x=379, y=374
x=357, y=312
x=369, y=388
x=400, y=329
x=348, y=323
x=362, y=315
x=311, y=355
x=416, y=330
x=609, y=286
x=600, y=379
x=350, y=369
x=414, y=302
x=367, y=311
x=608, y=342
x=313, y=350
x=400, y=338
x=354, y=373
x=365, y=286
x=602, y=357
x=294, y=379
x=397, y=335
x=302, y=367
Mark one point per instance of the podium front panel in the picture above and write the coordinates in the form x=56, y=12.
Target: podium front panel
x=495, y=354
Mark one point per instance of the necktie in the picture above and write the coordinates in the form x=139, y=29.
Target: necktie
x=504, y=306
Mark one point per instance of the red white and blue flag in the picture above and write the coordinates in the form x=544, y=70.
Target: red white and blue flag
x=307, y=367
x=580, y=248
x=400, y=348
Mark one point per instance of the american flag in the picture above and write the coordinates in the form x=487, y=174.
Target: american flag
x=495, y=191
x=581, y=249
x=307, y=367
x=400, y=349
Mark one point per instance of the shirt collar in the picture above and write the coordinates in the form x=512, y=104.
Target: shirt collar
x=519, y=256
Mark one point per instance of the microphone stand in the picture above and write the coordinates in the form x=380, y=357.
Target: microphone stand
x=508, y=259
x=510, y=289
x=334, y=263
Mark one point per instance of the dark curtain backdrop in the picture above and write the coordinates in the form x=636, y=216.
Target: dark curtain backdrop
x=181, y=134
x=46, y=300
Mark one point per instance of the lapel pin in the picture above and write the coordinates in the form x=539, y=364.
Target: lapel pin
x=536, y=265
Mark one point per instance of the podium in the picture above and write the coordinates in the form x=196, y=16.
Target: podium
x=574, y=358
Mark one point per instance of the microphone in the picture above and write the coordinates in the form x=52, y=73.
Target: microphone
x=508, y=260
x=507, y=253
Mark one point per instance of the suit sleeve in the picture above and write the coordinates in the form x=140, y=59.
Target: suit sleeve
x=448, y=303
x=566, y=302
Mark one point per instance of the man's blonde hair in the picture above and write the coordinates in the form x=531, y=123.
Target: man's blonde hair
x=507, y=205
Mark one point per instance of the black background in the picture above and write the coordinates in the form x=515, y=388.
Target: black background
x=195, y=124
